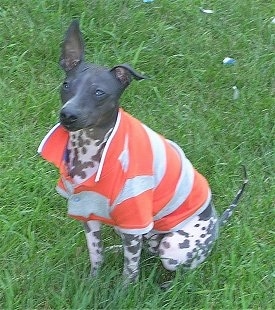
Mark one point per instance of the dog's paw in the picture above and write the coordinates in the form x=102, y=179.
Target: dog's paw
x=130, y=278
x=94, y=272
x=129, y=281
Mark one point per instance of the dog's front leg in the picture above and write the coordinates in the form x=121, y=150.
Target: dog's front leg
x=94, y=243
x=132, y=245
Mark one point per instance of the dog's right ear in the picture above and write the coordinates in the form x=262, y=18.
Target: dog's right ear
x=72, y=47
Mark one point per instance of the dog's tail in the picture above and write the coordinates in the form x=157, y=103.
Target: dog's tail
x=229, y=211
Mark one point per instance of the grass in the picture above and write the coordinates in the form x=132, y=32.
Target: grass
x=44, y=262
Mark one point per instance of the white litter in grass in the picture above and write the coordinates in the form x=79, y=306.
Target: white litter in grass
x=273, y=20
x=206, y=11
x=236, y=93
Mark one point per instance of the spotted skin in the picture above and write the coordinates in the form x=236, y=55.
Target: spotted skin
x=132, y=250
x=94, y=243
x=189, y=246
x=84, y=152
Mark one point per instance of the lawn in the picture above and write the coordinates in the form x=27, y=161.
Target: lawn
x=189, y=99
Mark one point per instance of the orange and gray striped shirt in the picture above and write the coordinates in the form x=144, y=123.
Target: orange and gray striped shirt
x=144, y=182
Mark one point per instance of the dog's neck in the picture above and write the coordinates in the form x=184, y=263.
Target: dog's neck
x=85, y=149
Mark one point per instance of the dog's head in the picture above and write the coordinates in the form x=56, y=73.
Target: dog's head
x=90, y=93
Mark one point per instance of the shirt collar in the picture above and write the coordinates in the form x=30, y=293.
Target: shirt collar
x=106, y=148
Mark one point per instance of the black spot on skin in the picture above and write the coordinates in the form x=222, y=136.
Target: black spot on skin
x=80, y=141
x=161, y=252
x=94, y=269
x=197, y=225
x=173, y=261
x=185, y=244
x=202, y=235
x=189, y=255
x=133, y=249
x=166, y=244
x=98, y=155
x=188, y=262
x=84, y=150
x=207, y=213
x=97, y=234
x=183, y=233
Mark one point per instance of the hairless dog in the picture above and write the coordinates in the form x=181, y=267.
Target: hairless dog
x=116, y=170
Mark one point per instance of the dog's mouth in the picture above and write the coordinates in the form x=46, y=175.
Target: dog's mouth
x=71, y=126
x=75, y=125
x=68, y=127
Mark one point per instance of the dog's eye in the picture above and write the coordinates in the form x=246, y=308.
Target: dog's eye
x=99, y=93
x=66, y=85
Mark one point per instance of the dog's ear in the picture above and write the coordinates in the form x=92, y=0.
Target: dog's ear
x=72, y=47
x=124, y=74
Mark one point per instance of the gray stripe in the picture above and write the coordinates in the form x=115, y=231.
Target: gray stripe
x=159, y=155
x=136, y=231
x=87, y=203
x=134, y=187
x=183, y=187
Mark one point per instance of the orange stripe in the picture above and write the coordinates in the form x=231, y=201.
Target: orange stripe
x=135, y=212
x=138, y=164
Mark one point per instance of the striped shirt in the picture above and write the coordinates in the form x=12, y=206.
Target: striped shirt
x=144, y=182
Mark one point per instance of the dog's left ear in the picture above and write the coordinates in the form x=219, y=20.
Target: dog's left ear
x=72, y=47
x=124, y=74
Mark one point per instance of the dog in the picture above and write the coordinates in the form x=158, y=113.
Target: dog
x=116, y=170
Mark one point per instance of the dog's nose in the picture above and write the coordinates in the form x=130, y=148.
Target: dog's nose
x=67, y=117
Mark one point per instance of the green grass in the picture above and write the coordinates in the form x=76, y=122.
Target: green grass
x=44, y=262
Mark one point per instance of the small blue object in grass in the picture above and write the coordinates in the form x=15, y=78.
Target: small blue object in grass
x=229, y=61
x=148, y=1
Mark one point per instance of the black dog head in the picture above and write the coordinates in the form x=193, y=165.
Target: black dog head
x=90, y=93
